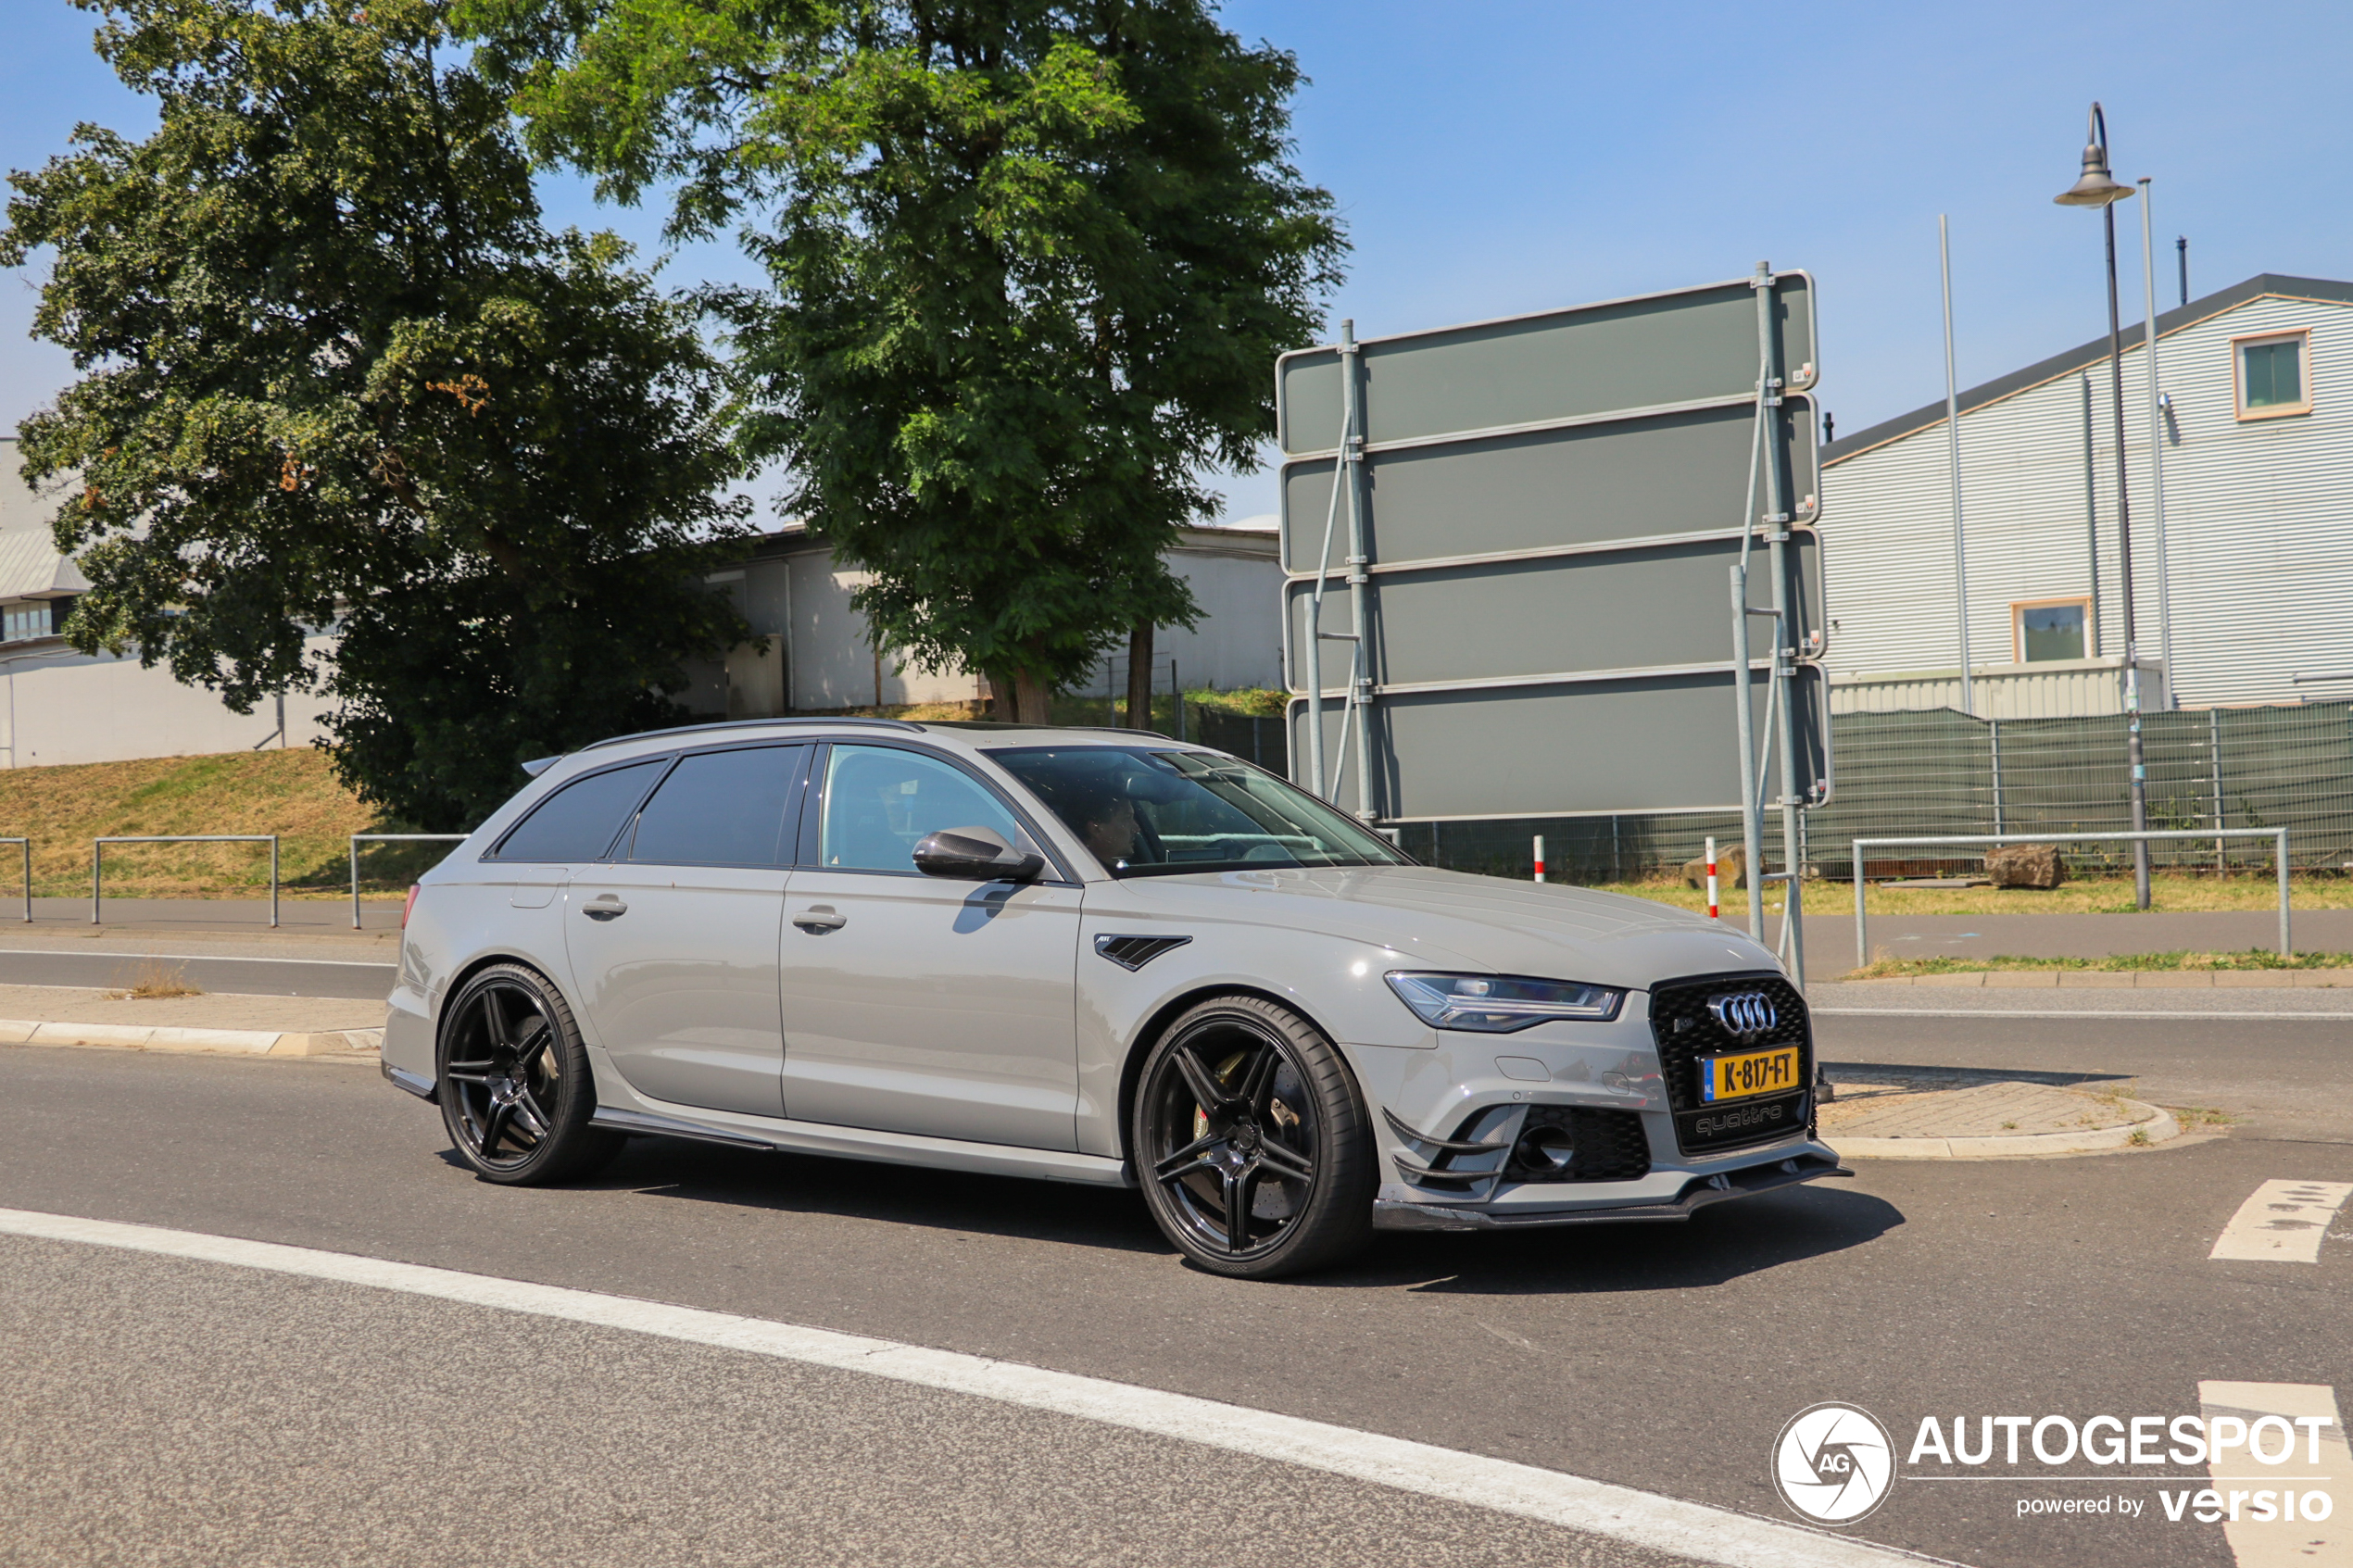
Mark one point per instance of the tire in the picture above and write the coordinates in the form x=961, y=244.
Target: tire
x=515, y=1089
x=1251, y=1143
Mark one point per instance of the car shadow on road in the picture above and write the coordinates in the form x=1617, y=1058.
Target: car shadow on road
x=1722, y=1243
x=901, y=1195
x=1719, y=1244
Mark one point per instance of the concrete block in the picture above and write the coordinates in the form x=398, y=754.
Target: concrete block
x=1729, y=860
x=15, y=1031
x=2096, y=978
x=2025, y=865
x=2268, y=979
x=2021, y=979
x=1970, y=977
x=2174, y=979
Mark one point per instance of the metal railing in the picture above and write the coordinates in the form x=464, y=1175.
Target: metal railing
x=1862, y=931
x=98, y=852
x=27, y=844
x=391, y=838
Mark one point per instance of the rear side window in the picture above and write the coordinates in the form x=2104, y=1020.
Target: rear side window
x=578, y=822
x=720, y=809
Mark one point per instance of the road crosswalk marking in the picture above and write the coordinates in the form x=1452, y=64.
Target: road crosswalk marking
x=2283, y=1222
x=2278, y=1542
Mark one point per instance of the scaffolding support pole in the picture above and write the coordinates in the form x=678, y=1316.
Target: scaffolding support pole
x=1777, y=518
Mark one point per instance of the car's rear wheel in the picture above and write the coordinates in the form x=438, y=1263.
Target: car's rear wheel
x=515, y=1091
x=1252, y=1142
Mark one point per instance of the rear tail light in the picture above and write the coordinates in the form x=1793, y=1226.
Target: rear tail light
x=405, y=908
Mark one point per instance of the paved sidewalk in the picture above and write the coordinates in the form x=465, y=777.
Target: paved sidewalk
x=1975, y=1111
x=68, y=1015
x=1925, y=1113
x=2127, y=979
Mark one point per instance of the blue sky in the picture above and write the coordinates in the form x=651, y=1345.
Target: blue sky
x=1494, y=158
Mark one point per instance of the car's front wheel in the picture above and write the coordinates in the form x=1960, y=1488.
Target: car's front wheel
x=515, y=1092
x=1253, y=1146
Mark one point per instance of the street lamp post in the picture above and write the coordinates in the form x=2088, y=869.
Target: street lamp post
x=2098, y=188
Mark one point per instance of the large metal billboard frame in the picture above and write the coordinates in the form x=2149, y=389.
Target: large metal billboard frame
x=1535, y=518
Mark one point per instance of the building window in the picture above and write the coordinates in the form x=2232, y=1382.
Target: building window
x=2273, y=377
x=28, y=620
x=2047, y=629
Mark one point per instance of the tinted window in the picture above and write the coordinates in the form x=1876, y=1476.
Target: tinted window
x=879, y=801
x=578, y=822
x=720, y=809
x=1159, y=813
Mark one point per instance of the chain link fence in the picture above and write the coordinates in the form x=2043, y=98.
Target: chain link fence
x=1944, y=773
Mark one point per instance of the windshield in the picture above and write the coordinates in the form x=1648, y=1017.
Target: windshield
x=1161, y=813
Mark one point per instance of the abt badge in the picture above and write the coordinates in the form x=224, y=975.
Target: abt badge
x=1834, y=1464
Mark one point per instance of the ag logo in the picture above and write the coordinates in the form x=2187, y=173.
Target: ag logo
x=1834, y=1464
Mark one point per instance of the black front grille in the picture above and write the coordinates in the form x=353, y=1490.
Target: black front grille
x=1683, y=1030
x=1610, y=1144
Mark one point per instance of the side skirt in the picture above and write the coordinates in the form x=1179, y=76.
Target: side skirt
x=860, y=1143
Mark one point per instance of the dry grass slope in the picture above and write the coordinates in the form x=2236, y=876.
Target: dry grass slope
x=291, y=792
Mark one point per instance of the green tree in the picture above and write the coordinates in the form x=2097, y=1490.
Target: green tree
x=1031, y=263
x=335, y=375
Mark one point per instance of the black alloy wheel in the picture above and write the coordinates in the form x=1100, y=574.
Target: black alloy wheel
x=514, y=1085
x=1254, y=1150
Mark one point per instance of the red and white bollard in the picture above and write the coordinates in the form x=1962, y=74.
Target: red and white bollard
x=1540, y=857
x=1712, y=913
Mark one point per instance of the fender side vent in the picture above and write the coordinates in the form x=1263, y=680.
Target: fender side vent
x=1135, y=952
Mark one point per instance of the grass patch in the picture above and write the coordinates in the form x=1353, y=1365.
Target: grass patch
x=2254, y=958
x=291, y=792
x=2170, y=892
x=155, y=981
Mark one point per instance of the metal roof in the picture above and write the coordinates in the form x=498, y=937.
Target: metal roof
x=2261, y=286
x=32, y=567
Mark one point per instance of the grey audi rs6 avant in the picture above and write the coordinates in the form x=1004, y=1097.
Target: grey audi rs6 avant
x=1086, y=956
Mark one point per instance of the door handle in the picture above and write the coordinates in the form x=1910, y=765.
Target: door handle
x=604, y=906
x=818, y=918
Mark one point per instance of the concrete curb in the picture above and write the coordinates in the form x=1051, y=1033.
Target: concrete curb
x=2156, y=1125
x=351, y=1044
x=2125, y=979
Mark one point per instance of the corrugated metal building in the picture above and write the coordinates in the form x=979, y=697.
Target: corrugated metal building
x=2254, y=583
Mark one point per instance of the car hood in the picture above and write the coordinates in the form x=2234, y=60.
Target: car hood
x=1475, y=922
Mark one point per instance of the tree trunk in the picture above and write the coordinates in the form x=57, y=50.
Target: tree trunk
x=1032, y=700
x=1140, y=676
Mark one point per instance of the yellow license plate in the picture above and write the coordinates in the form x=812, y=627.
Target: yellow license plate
x=1757, y=1072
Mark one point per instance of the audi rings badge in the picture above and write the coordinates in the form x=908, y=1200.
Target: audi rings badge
x=1745, y=1015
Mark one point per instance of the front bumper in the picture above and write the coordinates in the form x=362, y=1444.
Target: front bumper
x=1397, y=1214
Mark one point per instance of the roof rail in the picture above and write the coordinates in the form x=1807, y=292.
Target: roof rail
x=749, y=725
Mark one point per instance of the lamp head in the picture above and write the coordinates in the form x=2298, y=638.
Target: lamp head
x=2096, y=187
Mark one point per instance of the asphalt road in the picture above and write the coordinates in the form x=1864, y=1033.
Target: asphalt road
x=163, y=1411
x=242, y=977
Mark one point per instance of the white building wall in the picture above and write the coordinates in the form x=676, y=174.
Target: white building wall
x=63, y=707
x=2259, y=522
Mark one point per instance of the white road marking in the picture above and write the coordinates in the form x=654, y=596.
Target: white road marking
x=2059, y=1012
x=2279, y=1542
x=1643, y=1519
x=2283, y=1224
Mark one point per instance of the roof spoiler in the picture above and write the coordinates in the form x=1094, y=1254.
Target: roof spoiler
x=539, y=765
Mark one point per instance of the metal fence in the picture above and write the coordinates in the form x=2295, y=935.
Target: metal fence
x=1942, y=773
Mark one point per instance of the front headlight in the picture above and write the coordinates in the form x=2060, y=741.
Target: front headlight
x=1497, y=1004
